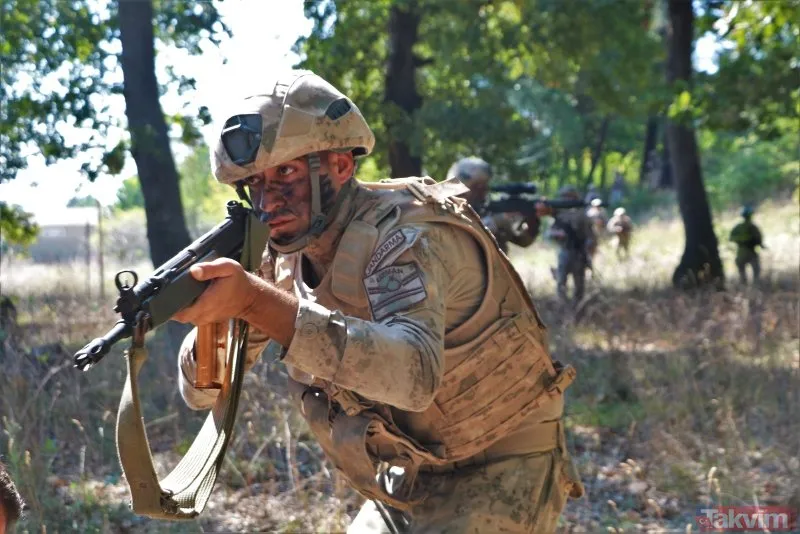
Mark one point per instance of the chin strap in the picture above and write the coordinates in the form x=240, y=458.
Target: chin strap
x=185, y=491
x=318, y=219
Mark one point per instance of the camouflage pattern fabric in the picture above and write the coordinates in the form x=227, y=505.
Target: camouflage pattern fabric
x=571, y=263
x=421, y=283
x=747, y=237
x=576, y=247
x=621, y=227
x=521, y=494
x=300, y=114
x=745, y=257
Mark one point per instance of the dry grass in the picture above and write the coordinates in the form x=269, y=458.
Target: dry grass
x=682, y=400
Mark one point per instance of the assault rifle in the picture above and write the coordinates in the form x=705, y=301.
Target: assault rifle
x=142, y=306
x=522, y=198
x=170, y=288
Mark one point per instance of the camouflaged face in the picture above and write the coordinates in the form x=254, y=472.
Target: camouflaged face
x=301, y=114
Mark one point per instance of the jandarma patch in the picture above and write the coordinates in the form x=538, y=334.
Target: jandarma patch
x=398, y=242
x=394, y=288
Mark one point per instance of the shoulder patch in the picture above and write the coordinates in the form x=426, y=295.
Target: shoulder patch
x=394, y=288
x=398, y=242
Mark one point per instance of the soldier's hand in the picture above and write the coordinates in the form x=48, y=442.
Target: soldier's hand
x=229, y=295
x=543, y=210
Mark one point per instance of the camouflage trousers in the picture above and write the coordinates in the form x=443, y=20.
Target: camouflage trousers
x=571, y=263
x=745, y=257
x=622, y=242
x=518, y=494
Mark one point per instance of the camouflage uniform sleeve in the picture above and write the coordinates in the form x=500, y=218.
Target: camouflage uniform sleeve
x=588, y=229
x=202, y=399
x=759, y=238
x=397, y=358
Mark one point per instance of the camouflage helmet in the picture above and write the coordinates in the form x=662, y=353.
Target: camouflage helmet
x=471, y=171
x=569, y=191
x=299, y=114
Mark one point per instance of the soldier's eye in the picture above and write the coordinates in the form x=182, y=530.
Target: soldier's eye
x=285, y=170
x=253, y=180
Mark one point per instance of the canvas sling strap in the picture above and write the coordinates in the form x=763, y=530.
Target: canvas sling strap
x=185, y=491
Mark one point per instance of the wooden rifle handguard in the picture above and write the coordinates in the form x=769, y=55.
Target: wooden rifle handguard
x=206, y=346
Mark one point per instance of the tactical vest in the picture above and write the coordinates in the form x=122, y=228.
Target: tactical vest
x=498, y=371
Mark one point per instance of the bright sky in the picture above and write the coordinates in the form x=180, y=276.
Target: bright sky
x=263, y=34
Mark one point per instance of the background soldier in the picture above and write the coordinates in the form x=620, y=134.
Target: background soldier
x=599, y=217
x=747, y=237
x=573, y=231
x=618, y=188
x=592, y=194
x=476, y=174
x=386, y=299
x=621, y=227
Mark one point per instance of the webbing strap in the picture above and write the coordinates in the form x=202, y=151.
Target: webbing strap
x=185, y=491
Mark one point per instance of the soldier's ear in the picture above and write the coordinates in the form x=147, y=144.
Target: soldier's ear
x=341, y=166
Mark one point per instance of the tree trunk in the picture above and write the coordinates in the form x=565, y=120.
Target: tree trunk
x=604, y=174
x=401, y=89
x=650, y=136
x=166, y=227
x=665, y=178
x=598, y=150
x=700, y=263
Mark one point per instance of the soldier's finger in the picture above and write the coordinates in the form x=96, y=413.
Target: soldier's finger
x=219, y=268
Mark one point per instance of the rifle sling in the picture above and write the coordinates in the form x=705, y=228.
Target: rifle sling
x=185, y=491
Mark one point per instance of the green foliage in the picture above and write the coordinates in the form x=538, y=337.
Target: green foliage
x=757, y=86
x=203, y=198
x=82, y=202
x=129, y=195
x=746, y=169
x=61, y=62
x=512, y=82
x=16, y=226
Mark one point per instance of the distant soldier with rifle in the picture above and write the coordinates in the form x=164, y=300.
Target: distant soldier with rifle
x=506, y=227
x=621, y=227
x=572, y=230
x=747, y=237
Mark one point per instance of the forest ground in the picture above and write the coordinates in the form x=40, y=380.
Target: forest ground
x=682, y=399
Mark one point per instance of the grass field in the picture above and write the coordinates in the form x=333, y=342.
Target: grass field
x=682, y=399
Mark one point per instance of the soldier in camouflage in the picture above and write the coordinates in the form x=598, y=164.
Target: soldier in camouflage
x=599, y=217
x=573, y=231
x=747, y=237
x=414, y=352
x=476, y=174
x=621, y=227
